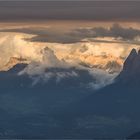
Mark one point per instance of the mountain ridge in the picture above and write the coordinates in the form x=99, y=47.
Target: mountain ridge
x=131, y=68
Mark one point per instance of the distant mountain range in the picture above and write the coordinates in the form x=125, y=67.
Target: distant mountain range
x=108, y=64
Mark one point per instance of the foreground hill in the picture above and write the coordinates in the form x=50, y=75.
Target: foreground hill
x=26, y=108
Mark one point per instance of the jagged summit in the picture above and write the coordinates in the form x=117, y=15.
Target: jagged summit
x=131, y=67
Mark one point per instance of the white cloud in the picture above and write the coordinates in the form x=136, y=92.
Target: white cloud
x=41, y=69
x=51, y=67
x=102, y=78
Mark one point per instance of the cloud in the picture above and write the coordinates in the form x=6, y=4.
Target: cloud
x=13, y=45
x=49, y=60
x=57, y=60
x=61, y=60
x=46, y=34
x=102, y=78
x=89, y=53
x=41, y=70
x=115, y=31
x=57, y=75
x=118, y=33
x=52, y=68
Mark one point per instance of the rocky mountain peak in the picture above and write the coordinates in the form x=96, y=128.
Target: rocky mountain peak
x=131, y=67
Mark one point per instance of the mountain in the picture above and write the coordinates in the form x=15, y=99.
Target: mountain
x=131, y=68
x=107, y=63
x=113, y=111
x=27, y=109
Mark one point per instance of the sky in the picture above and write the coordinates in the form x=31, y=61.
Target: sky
x=97, y=10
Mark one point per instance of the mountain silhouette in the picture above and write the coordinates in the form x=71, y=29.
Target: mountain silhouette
x=131, y=68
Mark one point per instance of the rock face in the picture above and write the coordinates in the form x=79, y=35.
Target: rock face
x=131, y=67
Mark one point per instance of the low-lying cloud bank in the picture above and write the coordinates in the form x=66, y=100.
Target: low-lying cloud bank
x=52, y=68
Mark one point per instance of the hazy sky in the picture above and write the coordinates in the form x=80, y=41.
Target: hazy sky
x=70, y=9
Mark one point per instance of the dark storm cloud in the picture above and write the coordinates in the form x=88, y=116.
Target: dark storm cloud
x=122, y=35
x=46, y=34
x=92, y=10
x=115, y=31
